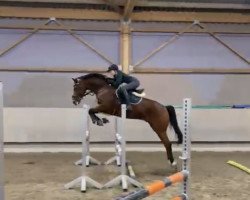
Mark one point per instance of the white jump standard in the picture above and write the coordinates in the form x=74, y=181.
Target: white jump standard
x=83, y=181
x=124, y=179
x=89, y=159
x=186, y=150
x=182, y=176
x=118, y=150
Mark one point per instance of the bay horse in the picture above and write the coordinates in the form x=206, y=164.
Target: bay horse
x=158, y=116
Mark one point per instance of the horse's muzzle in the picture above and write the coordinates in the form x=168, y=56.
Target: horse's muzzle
x=76, y=100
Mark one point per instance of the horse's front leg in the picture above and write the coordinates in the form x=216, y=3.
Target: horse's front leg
x=95, y=119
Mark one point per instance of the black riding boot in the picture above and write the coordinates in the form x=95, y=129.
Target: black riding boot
x=126, y=97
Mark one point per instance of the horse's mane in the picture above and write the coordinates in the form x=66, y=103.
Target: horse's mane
x=93, y=75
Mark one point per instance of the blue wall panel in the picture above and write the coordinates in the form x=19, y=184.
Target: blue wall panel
x=58, y=49
x=190, y=51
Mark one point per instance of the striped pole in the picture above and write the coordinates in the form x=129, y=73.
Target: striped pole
x=156, y=186
x=180, y=197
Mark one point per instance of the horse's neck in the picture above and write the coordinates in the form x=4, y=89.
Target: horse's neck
x=96, y=86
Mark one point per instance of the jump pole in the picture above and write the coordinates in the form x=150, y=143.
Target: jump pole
x=156, y=186
x=239, y=166
x=183, y=176
x=1, y=145
x=122, y=179
x=83, y=181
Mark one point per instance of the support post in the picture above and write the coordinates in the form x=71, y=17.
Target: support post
x=125, y=46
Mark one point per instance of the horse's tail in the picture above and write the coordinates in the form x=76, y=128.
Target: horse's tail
x=174, y=123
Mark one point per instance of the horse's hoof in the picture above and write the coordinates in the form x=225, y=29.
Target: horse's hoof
x=174, y=165
x=105, y=120
x=99, y=123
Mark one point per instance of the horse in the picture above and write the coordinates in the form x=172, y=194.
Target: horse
x=155, y=114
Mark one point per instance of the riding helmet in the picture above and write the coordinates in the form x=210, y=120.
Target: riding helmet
x=113, y=67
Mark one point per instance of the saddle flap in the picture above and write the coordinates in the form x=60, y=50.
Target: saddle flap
x=132, y=97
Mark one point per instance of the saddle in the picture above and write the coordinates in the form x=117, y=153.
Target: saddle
x=135, y=96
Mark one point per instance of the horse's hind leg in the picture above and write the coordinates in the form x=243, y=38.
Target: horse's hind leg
x=168, y=146
x=162, y=134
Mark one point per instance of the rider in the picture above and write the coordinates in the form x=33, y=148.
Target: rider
x=119, y=78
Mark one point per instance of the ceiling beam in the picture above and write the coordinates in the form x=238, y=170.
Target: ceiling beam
x=104, y=28
x=146, y=3
x=112, y=4
x=60, y=13
x=166, y=4
x=210, y=70
x=214, y=17
x=59, y=1
x=128, y=9
x=138, y=30
x=58, y=28
x=144, y=70
x=87, y=14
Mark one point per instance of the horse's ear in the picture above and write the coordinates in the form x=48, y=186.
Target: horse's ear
x=75, y=80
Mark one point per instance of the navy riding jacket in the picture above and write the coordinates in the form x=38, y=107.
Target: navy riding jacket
x=120, y=78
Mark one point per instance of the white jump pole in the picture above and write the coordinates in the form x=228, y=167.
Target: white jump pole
x=122, y=179
x=83, y=181
x=1, y=145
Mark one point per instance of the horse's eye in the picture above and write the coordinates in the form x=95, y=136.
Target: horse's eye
x=76, y=85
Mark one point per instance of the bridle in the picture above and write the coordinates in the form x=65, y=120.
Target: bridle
x=88, y=92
